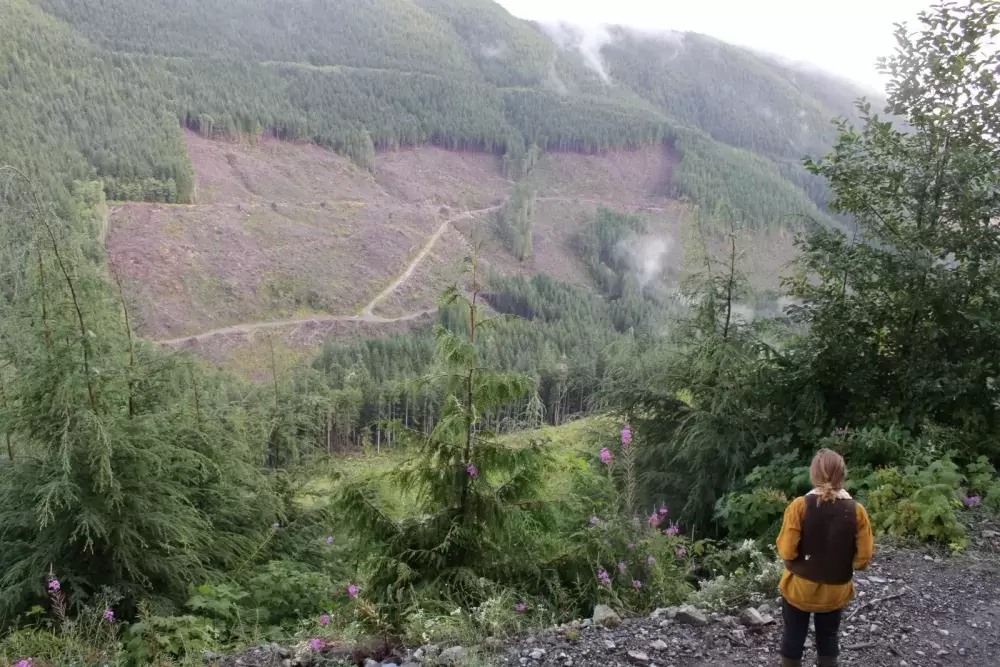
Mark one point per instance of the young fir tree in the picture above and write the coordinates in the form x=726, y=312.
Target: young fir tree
x=120, y=468
x=472, y=498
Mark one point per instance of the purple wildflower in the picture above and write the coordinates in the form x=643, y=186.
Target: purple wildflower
x=54, y=585
x=594, y=520
x=681, y=551
x=324, y=620
x=651, y=560
x=663, y=511
x=606, y=456
x=636, y=584
x=472, y=470
x=109, y=616
x=674, y=529
x=626, y=436
x=24, y=663
x=520, y=607
x=329, y=540
x=653, y=520
x=972, y=501
x=316, y=644
x=622, y=566
x=352, y=591
x=603, y=578
x=631, y=546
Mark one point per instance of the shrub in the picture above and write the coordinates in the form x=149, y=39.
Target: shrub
x=918, y=502
x=754, y=514
x=154, y=639
x=753, y=577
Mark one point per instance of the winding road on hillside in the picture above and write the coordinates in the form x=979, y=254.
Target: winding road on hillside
x=367, y=314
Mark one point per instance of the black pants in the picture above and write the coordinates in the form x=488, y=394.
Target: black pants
x=793, y=639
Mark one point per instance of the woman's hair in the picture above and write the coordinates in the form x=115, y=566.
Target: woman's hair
x=827, y=473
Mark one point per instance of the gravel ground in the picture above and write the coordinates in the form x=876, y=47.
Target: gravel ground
x=912, y=610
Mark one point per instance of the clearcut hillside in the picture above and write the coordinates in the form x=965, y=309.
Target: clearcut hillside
x=286, y=159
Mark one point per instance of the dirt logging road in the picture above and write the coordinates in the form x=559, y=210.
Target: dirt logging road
x=367, y=314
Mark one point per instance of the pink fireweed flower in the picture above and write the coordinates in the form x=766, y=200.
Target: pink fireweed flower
x=622, y=565
x=636, y=584
x=606, y=456
x=650, y=560
x=324, y=620
x=603, y=578
x=24, y=663
x=109, y=616
x=352, y=591
x=626, y=436
x=54, y=585
x=972, y=501
x=653, y=520
x=520, y=607
x=316, y=644
x=663, y=511
x=681, y=552
x=329, y=540
x=472, y=470
x=594, y=520
x=674, y=529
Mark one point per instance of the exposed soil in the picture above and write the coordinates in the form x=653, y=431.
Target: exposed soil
x=295, y=240
x=287, y=231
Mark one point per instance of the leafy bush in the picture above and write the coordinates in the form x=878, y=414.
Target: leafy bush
x=154, y=639
x=754, y=514
x=918, y=502
x=753, y=577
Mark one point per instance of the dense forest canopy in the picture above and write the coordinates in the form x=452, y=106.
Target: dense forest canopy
x=359, y=76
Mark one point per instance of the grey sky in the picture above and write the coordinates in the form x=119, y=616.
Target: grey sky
x=843, y=37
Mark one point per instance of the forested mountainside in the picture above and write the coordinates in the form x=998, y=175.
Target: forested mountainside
x=109, y=82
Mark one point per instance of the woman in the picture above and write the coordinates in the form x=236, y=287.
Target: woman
x=825, y=536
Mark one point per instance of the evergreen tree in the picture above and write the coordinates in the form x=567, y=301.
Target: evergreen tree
x=473, y=495
x=122, y=468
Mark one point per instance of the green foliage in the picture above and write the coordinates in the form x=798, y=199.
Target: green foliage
x=364, y=75
x=154, y=639
x=283, y=590
x=918, y=502
x=514, y=221
x=887, y=350
x=897, y=312
x=69, y=111
x=601, y=246
x=754, y=514
x=86, y=638
x=122, y=472
x=473, y=494
x=744, y=576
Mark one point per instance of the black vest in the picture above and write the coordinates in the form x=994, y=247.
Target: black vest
x=827, y=544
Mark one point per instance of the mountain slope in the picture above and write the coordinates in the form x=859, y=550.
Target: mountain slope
x=359, y=76
x=441, y=107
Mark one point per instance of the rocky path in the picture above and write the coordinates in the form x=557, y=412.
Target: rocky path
x=912, y=610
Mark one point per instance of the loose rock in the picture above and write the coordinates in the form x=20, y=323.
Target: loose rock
x=606, y=617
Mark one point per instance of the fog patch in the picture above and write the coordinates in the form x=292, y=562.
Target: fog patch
x=497, y=51
x=588, y=40
x=647, y=257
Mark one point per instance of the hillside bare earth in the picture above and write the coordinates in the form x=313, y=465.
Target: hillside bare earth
x=293, y=240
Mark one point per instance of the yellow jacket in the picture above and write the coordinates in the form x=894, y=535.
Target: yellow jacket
x=807, y=595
